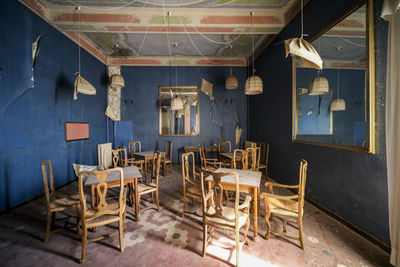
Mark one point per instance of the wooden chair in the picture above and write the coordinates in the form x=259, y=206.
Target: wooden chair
x=168, y=152
x=52, y=203
x=291, y=206
x=191, y=187
x=253, y=158
x=263, y=157
x=208, y=163
x=222, y=149
x=250, y=144
x=222, y=217
x=134, y=147
x=152, y=187
x=241, y=159
x=105, y=212
x=125, y=161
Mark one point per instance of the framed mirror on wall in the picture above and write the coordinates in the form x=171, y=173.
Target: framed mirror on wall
x=179, y=110
x=342, y=114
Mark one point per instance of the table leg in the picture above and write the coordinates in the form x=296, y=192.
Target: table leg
x=136, y=200
x=255, y=211
x=145, y=170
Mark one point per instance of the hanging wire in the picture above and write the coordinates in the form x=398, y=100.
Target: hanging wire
x=302, y=20
x=252, y=13
x=79, y=40
x=230, y=46
x=338, y=81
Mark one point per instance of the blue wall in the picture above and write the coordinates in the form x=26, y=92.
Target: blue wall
x=352, y=185
x=32, y=123
x=140, y=105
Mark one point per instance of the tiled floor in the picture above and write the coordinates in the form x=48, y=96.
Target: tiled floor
x=164, y=238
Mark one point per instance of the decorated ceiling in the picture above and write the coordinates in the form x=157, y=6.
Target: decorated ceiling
x=165, y=32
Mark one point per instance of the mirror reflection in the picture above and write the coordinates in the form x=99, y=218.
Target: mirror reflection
x=331, y=105
x=179, y=110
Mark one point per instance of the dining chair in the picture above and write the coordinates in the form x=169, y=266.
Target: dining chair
x=248, y=144
x=152, y=187
x=168, y=153
x=240, y=159
x=52, y=203
x=191, y=186
x=263, y=157
x=253, y=158
x=288, y=206
x=106, y=212
x=134, y=147
x=222, y=149
x=208, y=163
x=125, y=161
x=216, y=215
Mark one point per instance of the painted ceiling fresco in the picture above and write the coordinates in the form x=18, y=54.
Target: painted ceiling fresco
x=159, y=32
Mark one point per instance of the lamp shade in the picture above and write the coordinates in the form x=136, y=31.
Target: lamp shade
x=300, y=47
x=176, y=103
x=83, y=86
x=338, y=105
x=117, y=81
x=253, y=86
x=231, y=82
x=318, y=86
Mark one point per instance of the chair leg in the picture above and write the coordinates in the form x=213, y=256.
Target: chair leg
x=237, y=246
x=301, y=233
x=84, y=243
x=121, y=225
x=158, y=204
x=204, y=239
x=267, y=215
x=48, y=225
x=184, y=204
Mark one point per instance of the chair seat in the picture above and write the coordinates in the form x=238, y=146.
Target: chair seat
x=284, y=207
x=262, y=166
x=228, y=213
x=106, y=218
x=194, y=190
x=147, y=187
x=64, y=203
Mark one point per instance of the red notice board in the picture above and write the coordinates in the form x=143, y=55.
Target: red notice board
x=76, y=131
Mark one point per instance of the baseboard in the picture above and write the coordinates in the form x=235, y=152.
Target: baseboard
x=364, y=234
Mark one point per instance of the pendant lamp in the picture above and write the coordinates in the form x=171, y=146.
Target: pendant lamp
x=318, y=86
x=231, y=81
x=254, y=84
x=117, y=81
x=338, y=104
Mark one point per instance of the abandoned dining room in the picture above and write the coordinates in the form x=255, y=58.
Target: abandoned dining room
x=199, y=133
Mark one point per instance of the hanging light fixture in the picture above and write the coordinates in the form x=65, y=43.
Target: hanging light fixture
x=176, y=102
x=318, y=86
x=338, y=104
x=117, y=81
x=231, y=81
x=300, y=47
x=254, y=84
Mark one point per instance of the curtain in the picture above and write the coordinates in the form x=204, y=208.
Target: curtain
x=391, y=13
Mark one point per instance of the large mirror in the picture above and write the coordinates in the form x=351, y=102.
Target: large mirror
x=184, y=121
x=342, y=116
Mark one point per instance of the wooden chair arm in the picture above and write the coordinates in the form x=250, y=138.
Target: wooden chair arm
x=212, y=160
x=266, y=196
x=246, y=203
x=270, y=184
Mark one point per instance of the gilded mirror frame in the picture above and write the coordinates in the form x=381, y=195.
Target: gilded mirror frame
x=173, y=89
x=369, y=85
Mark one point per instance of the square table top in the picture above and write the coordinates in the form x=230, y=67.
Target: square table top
x=129, y=172
x=248, y=178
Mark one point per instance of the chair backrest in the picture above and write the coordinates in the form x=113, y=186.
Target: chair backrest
x=202, y=157
x=248, y=144
x=101, y=193
x=222, y=146
x=156, y=167
x=47, y=173
x=187, y=171
x=264, y=153
x=254, y=158
x=123, y=156
x=115, y=158
x=217, y=193
x=242, y=156
x=302, y=182
x=168, y=149
x=134, y=147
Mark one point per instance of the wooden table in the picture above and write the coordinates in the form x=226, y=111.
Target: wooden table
x=229, y=156
x=131, y=175
x=148, y=156
x=249, y=182
x=195, y=149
